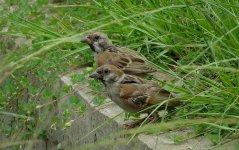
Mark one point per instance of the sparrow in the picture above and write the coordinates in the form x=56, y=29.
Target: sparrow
x=130, y=92
x=131, y=62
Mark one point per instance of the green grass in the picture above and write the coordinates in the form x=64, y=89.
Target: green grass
x=195, y=41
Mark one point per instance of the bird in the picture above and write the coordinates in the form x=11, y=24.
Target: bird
x=130, y=92
x=131, y=62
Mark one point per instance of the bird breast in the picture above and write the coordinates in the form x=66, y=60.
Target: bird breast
x=102, y=58
x=113, y=92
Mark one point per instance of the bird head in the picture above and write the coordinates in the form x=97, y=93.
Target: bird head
x=107, y=74
x=97, y=41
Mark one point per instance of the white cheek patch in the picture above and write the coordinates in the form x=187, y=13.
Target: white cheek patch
x=110, y=78
x=97, y=47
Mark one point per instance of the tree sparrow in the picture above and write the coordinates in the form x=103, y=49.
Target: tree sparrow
x=127, y=60
x=131, y=93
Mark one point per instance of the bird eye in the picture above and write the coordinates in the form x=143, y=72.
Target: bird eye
x=106, y=71
x=99, y=72
x=96, y=37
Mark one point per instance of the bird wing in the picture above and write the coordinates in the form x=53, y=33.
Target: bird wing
x=141, y=96
x=136, y=95
x=132, y=62
x=127, y=61
x=133, y=79
x=133, y=96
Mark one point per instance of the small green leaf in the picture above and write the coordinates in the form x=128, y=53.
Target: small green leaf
x=74, y=100
x=77, y=78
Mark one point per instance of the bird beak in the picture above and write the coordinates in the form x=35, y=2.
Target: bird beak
x=85, y=40
x=95, y=76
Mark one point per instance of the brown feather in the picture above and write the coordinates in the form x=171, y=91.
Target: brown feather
x=131, y=62
x=130, y=92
